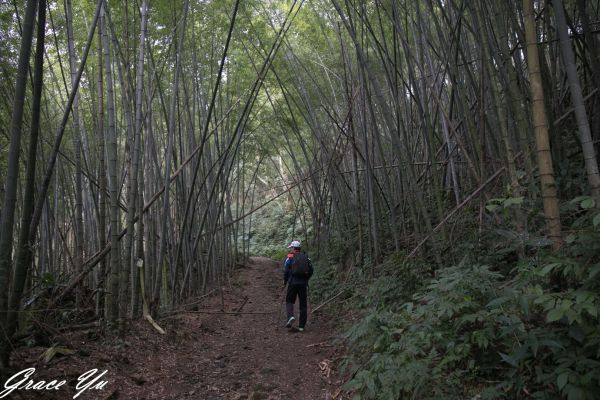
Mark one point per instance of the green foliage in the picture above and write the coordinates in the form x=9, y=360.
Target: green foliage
x=503, y=203
x=473, y=331
x=273, y=227
x=394, y=284
x=279, y=255
x=429, y=340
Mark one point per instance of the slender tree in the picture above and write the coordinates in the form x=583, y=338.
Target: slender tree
x=78, y=236
x=113, y=183
x=12, y=175
x=129, y=266
x=540, y=126
x=102, y=184
x=24, y=251
x=583, y=125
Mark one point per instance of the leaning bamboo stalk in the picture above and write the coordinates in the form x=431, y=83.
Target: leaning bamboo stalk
x=12, y=175
x=583, y=124
x=24, y=251
x=41, y=196
x=328, y=301
x=456, y=209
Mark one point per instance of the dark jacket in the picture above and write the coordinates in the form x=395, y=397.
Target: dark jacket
x=287, y=270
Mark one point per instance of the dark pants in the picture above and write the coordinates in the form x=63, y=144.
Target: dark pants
x=290, y=299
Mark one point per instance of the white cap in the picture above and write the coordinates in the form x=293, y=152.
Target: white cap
x=295, y=243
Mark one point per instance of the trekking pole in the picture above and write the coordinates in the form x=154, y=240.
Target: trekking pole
x=278, y=313
x=307, y=299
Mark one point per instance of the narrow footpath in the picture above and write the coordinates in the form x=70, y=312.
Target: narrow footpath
x=244, y=353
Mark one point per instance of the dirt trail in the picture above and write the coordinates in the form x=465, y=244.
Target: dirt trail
x=249, y=355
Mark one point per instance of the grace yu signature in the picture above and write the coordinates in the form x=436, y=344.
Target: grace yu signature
x=20, y=381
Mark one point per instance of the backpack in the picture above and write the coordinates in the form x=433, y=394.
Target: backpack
x=300, y=266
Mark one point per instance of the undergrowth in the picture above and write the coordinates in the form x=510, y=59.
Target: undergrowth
x=272, y=229
x=493, y=326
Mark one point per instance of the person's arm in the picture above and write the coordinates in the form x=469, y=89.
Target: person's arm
x=310, y=269
x=286, y=271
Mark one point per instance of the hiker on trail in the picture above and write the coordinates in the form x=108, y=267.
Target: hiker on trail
x=297, y=270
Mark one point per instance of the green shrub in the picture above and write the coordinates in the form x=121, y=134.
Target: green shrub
x=272, y=228
x=279, y=255
x=427, y=341
x=478, y=331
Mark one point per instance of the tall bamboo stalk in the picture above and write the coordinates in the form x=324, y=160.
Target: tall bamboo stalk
x=540, y=126
x=12, y=175
x=585, y=136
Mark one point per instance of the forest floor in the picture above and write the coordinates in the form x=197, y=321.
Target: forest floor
x=206, y=354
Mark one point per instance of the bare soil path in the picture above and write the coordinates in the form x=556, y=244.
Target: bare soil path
x=205, y=354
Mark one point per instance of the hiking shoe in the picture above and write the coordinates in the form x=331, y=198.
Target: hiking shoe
x=290, y=322
x=300, y=329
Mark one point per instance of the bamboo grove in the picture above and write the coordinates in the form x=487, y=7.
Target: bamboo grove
x=139, y=137
x=441, y=106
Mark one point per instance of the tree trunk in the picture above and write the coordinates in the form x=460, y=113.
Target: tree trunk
x=160, y=273
x=111, y=147
x=130, y=265
x=12, y=175
x=24, y=249
x=100, y=138
x=585, y=135
x=540, y=126
x=78, y=220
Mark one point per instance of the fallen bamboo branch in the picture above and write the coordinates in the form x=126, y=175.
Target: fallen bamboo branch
x=149, y=318
x=198, y=300
x=572, y=109
x=220, y=312
x=328, y=301
x=243, y=304
x=87, y=325
x=145, y=309
x=325, y=344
